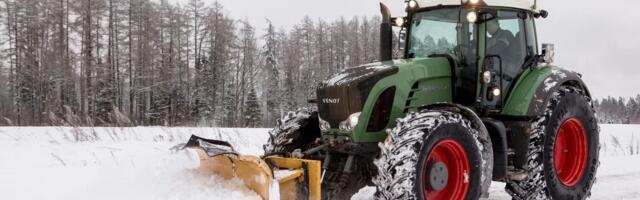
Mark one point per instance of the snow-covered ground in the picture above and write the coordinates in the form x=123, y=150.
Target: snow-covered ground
x=137, y=163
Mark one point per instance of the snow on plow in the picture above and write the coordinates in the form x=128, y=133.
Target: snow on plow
x=271, y=177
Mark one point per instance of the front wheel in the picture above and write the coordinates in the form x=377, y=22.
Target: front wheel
x=299, y=130
x=563, y=150
x=294, y=130
x=433, y=155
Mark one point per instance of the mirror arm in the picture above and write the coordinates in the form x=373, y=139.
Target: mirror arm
x=532, y=61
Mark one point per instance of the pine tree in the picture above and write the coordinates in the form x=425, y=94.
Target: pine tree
x=633, y=109
x=228, y=105
x=252, y=111
x=273, y=92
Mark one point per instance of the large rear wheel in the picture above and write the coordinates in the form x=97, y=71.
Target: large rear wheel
x=434, y=155
x=563, y=150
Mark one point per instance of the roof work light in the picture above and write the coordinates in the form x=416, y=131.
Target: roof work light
x=471, y=2
x=411, y=5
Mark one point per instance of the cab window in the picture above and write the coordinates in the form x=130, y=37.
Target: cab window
x=532, y=41
x=507, y=38
x=442, y=31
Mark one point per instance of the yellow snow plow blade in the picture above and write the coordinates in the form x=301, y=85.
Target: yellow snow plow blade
x=272, y=177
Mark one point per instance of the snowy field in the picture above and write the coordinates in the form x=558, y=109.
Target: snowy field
x=137, y=163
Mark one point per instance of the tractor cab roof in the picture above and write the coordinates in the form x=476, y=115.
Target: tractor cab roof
x=519, y=4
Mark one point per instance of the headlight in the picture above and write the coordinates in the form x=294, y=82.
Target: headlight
x=472, y=17
x=474, y=2
x=399, y=21
x=411, y=5
x=486, y=77
x=496, y=92
x=350, y=123
x=324, y=125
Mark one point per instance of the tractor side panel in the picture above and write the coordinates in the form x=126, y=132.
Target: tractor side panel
x=419, y=82
x=531, y=93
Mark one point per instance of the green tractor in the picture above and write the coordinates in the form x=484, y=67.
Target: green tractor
x=471, y=101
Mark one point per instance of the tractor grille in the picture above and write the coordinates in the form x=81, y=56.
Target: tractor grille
x=336, y=104
x=346, y=93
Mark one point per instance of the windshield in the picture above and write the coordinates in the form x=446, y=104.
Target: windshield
x=442, y=31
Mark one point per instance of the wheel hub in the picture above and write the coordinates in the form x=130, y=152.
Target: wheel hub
x=438, y=176
x=446, y=172
x=570, y=152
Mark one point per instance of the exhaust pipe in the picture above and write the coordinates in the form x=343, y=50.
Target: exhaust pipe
x=386, y=34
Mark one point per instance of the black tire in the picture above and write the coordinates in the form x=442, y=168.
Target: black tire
x=543, y=182
x=403, y=154
x=299, y=130
x=295, y=130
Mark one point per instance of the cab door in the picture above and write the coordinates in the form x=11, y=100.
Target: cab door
x=506, y=50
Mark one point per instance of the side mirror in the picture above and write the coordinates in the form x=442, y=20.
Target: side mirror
x=542, y=13
x=548, y=52
x=402, y=39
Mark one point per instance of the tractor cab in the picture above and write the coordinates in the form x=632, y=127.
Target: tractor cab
x=488, y=45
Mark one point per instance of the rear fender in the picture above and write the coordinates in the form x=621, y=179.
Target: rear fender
x=531, y=94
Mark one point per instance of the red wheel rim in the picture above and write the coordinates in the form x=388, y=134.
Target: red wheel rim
x=570, y=152
x=453, y=156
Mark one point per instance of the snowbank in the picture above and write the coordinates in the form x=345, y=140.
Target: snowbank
x=137, y=163
x=114, y=163
x=619, y=140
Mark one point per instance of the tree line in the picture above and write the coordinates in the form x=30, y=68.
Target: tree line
x=144, y=62
x=619, y=110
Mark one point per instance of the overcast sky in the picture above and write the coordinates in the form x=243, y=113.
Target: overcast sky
x=601, y=41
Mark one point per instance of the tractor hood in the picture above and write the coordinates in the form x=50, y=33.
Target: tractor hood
x=346, y=92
